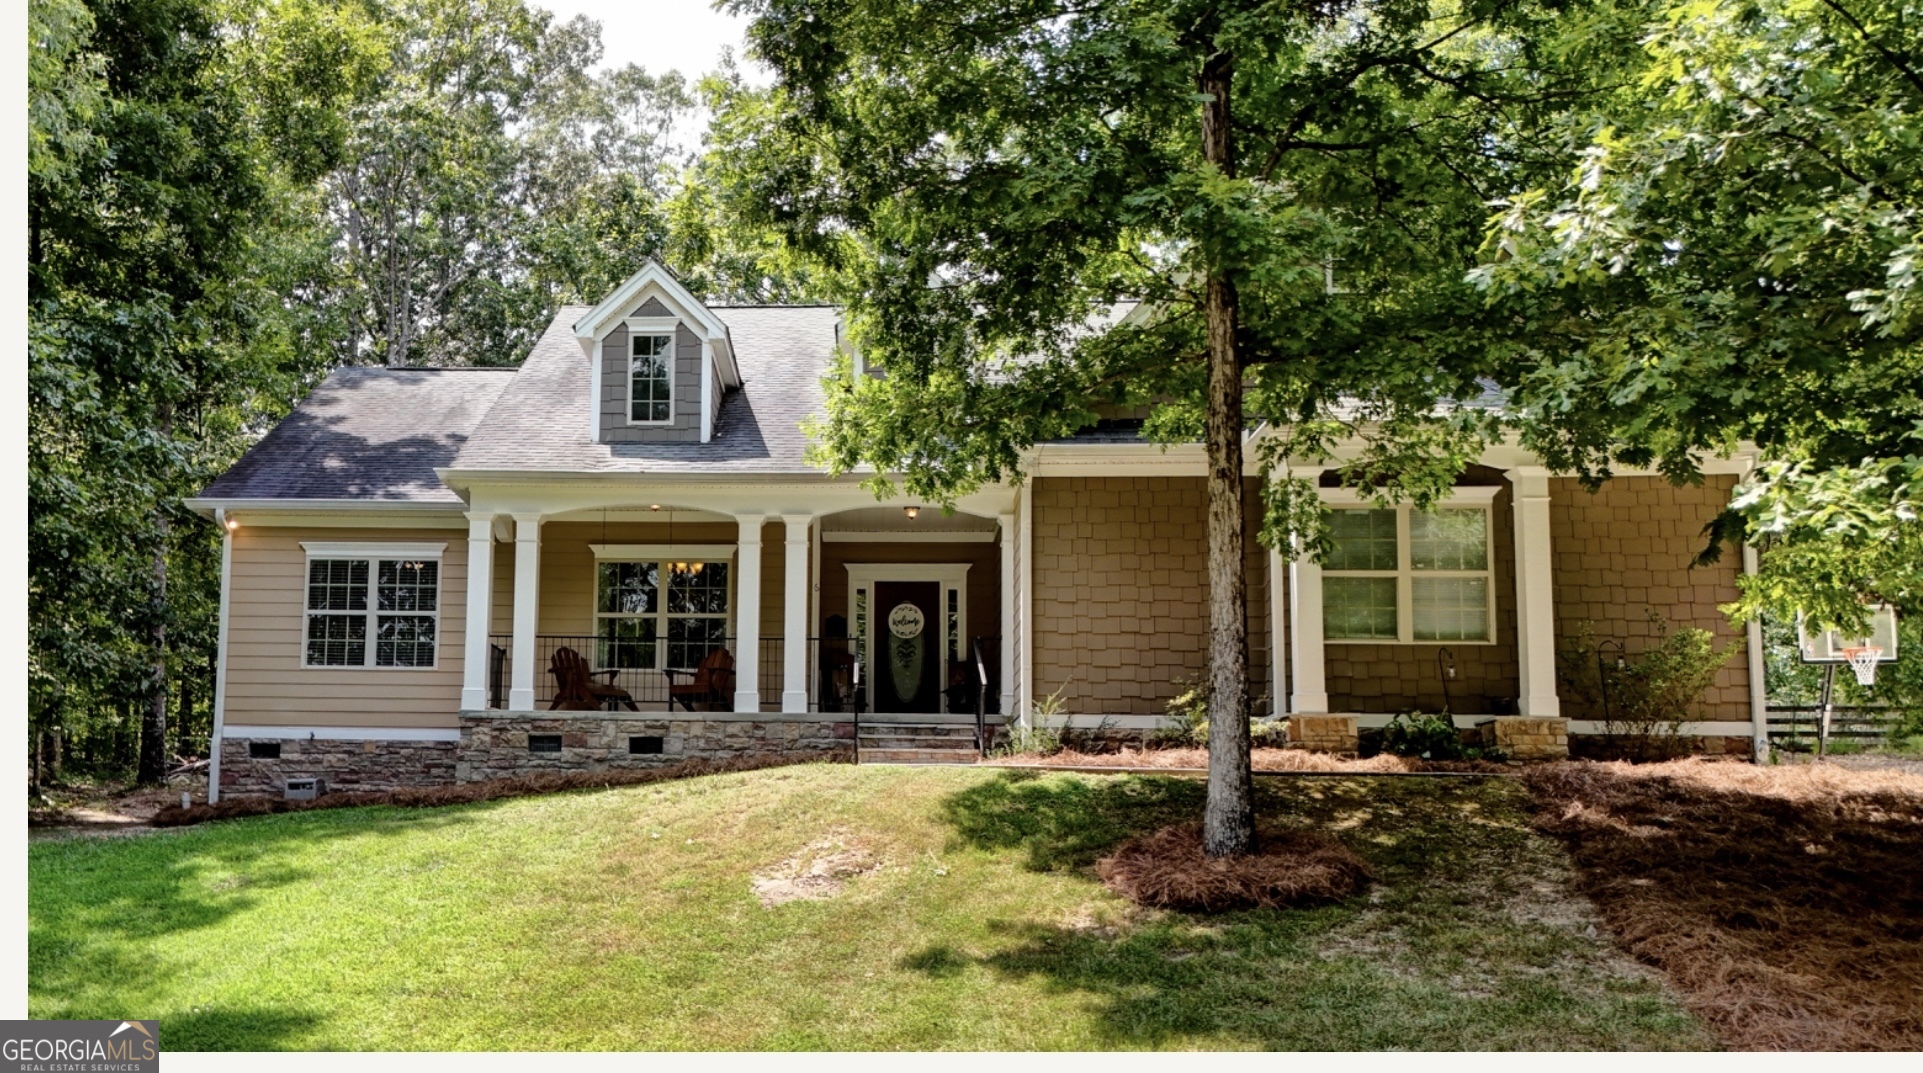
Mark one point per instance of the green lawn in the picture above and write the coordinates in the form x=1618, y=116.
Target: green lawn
x=625, y=919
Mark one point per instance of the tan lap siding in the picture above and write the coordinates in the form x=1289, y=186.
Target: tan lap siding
x=1121, y=591
x=1386, y=678
x=1627, y=548
x=267, y=683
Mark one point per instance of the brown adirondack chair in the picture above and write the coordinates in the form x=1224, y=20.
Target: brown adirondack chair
x=712, y=682
x=575, y=688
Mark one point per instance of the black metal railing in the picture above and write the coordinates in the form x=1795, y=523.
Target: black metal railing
x=650, y=672
x=981, y=700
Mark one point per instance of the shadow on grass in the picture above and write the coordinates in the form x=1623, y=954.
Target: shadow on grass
x=1434, y=958
x=252, y=1029
x=96, y=906
x=1065, y=823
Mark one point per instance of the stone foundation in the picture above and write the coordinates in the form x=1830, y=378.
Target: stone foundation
x=1324, y=733
x=359, y=765
x=1524, y=737
x=494, y=745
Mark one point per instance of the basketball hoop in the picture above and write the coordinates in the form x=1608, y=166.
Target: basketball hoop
x=1862, y=659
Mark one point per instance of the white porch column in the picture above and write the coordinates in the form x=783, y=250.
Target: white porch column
x=1025, y=605
x=1278, y=634
x=527, y=610
x=747, y=613
x=480, y=604
x=1310, y=690
x=1005, y=661
x=1758, y=696
x=794, y=614
x=1535, y=604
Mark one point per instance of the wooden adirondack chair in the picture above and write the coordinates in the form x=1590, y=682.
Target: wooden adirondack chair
x=712, y=682
x=575, y=688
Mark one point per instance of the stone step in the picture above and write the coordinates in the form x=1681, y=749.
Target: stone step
x=916, y=735
x=917, y=756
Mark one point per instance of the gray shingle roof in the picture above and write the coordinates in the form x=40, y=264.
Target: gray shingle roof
x=368, y=433
x=540, y=421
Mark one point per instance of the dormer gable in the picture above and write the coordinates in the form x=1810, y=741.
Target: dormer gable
x=660, y=362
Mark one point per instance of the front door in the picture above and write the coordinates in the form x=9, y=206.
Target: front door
x=908, y=630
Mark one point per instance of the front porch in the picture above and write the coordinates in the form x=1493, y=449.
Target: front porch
x=682, y=608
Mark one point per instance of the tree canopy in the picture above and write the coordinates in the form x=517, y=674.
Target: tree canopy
x=1731, y=255
x=1293, y=193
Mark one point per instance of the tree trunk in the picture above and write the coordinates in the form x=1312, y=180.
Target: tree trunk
x=1228, y=821
x=153, y=727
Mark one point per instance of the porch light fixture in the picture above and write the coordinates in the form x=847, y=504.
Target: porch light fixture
x=233, y=524
x=654, y=506
x=912, y=512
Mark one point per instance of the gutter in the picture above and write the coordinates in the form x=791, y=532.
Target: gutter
x=213, y=507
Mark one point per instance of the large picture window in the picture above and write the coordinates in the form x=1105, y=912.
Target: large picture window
x=651, y=378
x=371, y=610
x=1405, y=575
x=655, y=614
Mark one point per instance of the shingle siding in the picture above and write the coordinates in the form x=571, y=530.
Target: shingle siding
x=1626, y=549
x=1121, y=591
x=615, y=360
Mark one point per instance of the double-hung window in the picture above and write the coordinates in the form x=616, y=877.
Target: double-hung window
x=1399, y=574
x=372, y=605
x=651, y=377
x=654, y=613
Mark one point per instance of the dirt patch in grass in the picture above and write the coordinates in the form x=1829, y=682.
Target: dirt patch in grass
x=819, y=871
x=1785, y=904
x=1260, y=759
x=1168, y=870
x=490, y=790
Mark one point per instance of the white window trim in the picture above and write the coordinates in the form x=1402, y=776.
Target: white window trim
x=373, y=553
x=639, y=326
x=1470, y=497
x=660, y=555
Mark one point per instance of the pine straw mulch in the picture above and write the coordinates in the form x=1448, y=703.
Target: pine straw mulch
x=1168, y=870
x=1785, y=904
x=1260, y=759
x=490, y=790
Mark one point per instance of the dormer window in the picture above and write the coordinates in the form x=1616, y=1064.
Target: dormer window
x=651, y=379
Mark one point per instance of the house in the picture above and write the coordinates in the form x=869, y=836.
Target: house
x=420, y=565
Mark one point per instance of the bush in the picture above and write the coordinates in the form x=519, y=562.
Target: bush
x=1643, y=702
x=1188, y=727
x=1425, y=736
x=1039, y=736
x=1188, y=713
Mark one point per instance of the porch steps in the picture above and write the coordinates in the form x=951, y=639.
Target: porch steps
x=918, y=743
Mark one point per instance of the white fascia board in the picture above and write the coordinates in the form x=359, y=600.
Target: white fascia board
x=364, y=549
x=1126, y=460
x=897, y=536
x=649, y=552
x=1481, y=494
x=613, y=309
x=325, y=513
